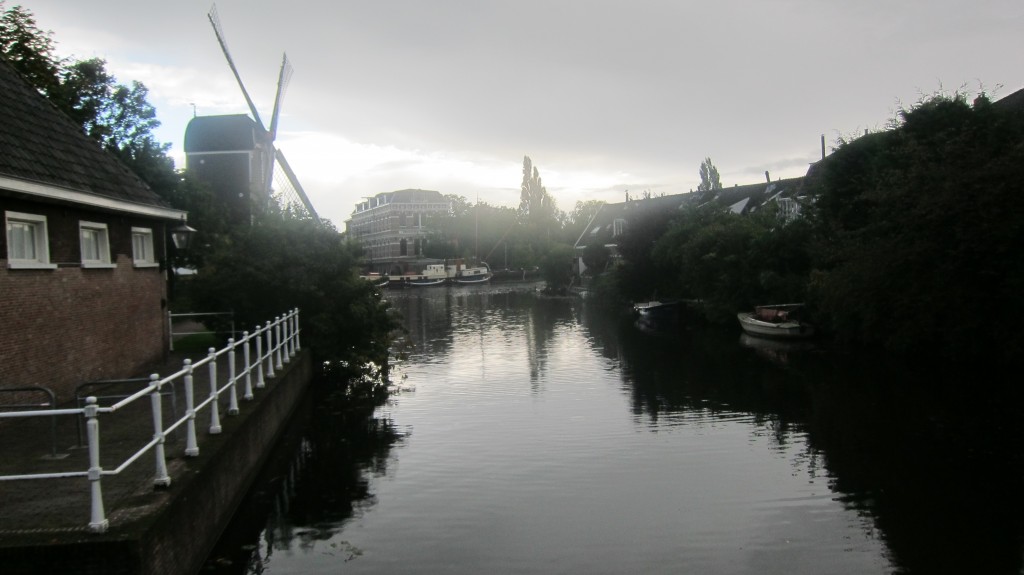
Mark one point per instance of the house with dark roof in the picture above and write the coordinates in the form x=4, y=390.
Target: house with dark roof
x=82, y=276
x=613, y=220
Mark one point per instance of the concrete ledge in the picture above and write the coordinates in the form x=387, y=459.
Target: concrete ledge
x=171, y=531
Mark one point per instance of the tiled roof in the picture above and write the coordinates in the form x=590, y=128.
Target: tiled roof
x=740, y=199
x=41, y=145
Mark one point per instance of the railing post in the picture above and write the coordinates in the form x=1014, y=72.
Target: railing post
x=98, y=521
x=248, y=367
x=162, y=479
x=232, y=379
x=280, y=342
x=270, y=350
x=286, y=330
x=191, y=445
x=260, y=384
x=214, y=407
x=298, y=342
x=292, y=330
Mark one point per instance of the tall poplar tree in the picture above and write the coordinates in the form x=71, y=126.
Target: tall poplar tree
x=709, y=179
x=536, y=207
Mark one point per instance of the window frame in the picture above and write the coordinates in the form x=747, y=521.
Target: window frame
x=41, y=242
x=149, y=245
x=618, y=227
x=102, y=241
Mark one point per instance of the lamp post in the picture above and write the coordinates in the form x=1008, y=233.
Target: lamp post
x=181, y=237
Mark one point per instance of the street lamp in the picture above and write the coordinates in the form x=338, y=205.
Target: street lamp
x=182, y=236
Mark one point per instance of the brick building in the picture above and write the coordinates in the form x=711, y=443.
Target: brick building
x=82, y=282
x=392, y=227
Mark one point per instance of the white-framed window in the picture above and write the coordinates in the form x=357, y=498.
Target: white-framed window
x=95, y=244
x=143, y=253
x=618, y=227
x=28, y=246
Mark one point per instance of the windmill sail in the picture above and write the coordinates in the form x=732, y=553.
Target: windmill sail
x=273, y=155
x=219, y=31
x=282, y=84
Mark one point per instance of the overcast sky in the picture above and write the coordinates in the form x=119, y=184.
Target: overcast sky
x=603, y=95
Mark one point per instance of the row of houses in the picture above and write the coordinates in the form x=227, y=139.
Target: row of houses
x=83, y=285
x=611, y=221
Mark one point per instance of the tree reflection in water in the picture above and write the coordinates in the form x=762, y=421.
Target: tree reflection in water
x=932, y=457
x=316, y=481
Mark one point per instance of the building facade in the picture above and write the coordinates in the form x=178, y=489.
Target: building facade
x=82, y=267
x=391, y=227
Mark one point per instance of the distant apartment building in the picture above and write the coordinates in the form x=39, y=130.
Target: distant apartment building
x=391, y=227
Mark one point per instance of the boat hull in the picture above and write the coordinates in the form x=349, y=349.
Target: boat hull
x=779, y=330
x=472, y=281
x=427, y=282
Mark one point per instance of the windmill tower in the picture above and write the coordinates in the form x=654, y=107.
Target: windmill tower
x=236, y=154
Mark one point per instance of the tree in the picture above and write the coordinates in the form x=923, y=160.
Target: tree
x=709, y=179
x=28, y=49
x=917, y=232
x=580, y=217
x=261, y=270
x=536, y=206
x=119, y=117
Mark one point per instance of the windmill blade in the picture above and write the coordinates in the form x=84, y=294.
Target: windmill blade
x=215, y=22
x=282, y=85
x=295, y=183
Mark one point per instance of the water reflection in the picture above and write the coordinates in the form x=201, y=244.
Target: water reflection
x=934, y=458
x=884, y=467
x=318, y=480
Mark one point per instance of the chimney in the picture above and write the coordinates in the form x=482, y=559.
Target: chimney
x=767, y=176
x=823, y=146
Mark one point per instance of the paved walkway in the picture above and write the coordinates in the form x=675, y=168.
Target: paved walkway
x=59, y=509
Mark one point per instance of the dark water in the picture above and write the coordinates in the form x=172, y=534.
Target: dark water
x=539, y=436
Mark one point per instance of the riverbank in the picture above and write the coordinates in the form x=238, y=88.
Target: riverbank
x=44, y=523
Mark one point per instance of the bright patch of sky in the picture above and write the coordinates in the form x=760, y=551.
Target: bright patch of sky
x=604, y=96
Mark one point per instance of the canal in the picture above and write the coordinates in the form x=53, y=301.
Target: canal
x=531, y=435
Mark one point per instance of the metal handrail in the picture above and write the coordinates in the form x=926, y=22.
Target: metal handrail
x=52, y=403
x=282, y=343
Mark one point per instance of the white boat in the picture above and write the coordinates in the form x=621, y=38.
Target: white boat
x=779, y=321
x=376, y=279
x=474, y=275
x=432, y=275
x=439, y=274
x=656, y=309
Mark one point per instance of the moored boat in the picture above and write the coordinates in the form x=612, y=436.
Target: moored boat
x=473, y=275
x=655, y=309
x=432, y=275
x=779, y=321
x=376, y=279
x=440, y=274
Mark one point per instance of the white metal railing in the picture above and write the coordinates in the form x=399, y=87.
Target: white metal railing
x=275, y=344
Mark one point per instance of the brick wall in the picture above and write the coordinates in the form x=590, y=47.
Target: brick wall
x=61, y=327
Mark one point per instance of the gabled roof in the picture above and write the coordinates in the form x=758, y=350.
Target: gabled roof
x=44, y=154
x=748, y=198
x=601, y=225
x=740, y=199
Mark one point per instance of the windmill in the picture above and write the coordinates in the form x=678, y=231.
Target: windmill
x=273, y=153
